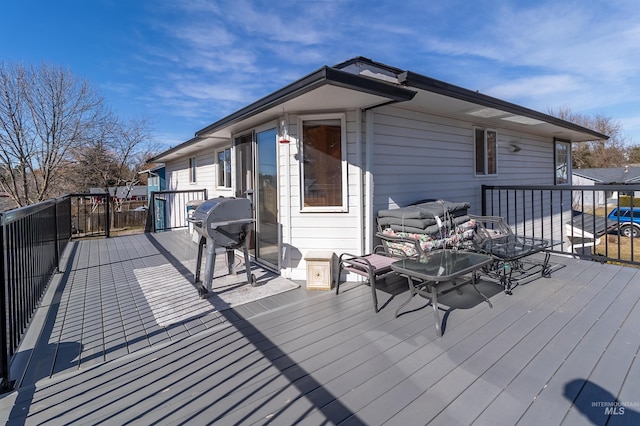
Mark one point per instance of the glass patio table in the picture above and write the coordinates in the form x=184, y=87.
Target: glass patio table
x=439, y=270
x=510, y=267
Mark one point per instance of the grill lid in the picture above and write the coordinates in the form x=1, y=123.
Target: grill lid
x=227, y=213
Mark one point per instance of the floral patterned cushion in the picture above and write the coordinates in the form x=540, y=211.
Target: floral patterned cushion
x=454, y=238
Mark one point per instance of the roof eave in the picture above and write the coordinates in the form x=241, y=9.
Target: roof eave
x=422, y=82
x=160, y=157
x=325, y=75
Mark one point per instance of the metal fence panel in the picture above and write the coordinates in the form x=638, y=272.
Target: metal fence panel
x=574, y=217
x=32, y=240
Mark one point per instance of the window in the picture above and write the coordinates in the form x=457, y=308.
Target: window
x=224, y=168
x=324, y=172
x=486, y=153
x=562, y=162
x=192, y=170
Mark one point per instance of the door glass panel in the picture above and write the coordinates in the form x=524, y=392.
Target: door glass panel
x=244, y=164
x=243, y=146
x=266, y=194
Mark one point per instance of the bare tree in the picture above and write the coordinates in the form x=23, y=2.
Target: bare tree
x=634, y=154
x=45, y=112
x=598, y=153
x=113, y=157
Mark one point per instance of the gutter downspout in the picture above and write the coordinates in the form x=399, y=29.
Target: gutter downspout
x=287, y=155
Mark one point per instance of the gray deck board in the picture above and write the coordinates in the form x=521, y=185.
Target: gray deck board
x=602, y=323
x=611, y=370
x=469, y=402
x=540, y=356
x=565, y=327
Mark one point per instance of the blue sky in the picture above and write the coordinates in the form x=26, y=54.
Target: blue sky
x=187, y=63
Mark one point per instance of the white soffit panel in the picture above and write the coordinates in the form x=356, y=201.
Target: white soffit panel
x=523, y=120
x=486, y=112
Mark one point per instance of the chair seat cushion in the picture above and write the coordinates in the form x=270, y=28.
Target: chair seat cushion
x=380, y=264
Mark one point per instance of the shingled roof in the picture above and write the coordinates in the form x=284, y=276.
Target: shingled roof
x=627, y=174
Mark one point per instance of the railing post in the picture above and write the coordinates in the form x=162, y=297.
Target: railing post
x=153, y=211
x=484, y=199
x=4, y=338
x=56, y=235
x=107, y=227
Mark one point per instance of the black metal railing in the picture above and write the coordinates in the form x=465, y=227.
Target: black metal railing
x=574, y=218
x=33, y=238
x=90, y=215
x=169, y=209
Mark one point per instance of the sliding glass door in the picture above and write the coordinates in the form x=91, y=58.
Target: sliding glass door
x=266, y=197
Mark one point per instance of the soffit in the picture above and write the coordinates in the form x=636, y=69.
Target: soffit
x=492, y=117
x=326, y=98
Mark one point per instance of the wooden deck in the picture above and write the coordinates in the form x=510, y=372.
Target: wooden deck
x=562, y=350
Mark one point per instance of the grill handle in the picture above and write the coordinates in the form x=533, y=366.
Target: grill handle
x=195, y=222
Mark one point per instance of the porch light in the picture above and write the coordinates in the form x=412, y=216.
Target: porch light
x=514, y=148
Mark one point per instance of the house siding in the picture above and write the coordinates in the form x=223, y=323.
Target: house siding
x=177, y=173
x=309, y=231
x=415, y=156
x=420, y=156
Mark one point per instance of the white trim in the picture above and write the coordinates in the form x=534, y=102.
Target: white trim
x=357, y=163
x=286, y=218
x=218, y=171
x=369, y=181
x=345, y=164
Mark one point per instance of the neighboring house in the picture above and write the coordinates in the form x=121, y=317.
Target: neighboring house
x=155, y=179
x=123, y=193
x=325, y=153
x=156, y=182
x=604, y=176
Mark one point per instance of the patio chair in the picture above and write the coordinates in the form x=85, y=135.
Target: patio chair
x=373, y=266
x=494, y=237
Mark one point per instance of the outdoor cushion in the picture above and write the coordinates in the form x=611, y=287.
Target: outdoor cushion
x=451, y=238
x=433, y=229
x=425, y=210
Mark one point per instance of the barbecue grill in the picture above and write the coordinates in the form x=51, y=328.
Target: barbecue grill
x=222, y=222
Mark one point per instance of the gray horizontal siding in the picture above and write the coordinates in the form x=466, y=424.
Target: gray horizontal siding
x=419, y=156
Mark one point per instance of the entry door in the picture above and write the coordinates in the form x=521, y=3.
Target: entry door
x=266, y=197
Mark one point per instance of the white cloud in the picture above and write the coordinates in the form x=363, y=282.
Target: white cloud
x=545, y=55
x=537, y=87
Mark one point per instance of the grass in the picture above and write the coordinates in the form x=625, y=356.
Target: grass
x=617, y=246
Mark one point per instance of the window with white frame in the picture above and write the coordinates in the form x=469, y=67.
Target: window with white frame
x=192, y=169
x=486, y=152
x=323, y=162
x=562, y=161
x=223, y=161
